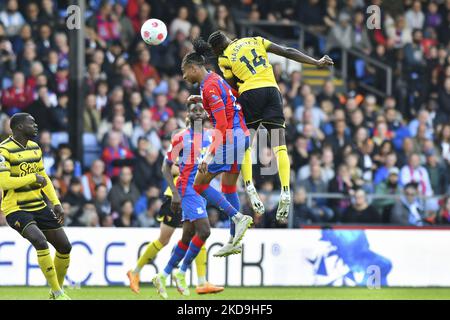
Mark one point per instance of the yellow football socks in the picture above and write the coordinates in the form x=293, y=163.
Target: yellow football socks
x=284, y=166
x=150, y=253
x=200, y=263
x=246, y=168
x=61, y=262
x=48, y=269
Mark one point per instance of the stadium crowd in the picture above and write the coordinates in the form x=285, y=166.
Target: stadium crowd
x=351, y=143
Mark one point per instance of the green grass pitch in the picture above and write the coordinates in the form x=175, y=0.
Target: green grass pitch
x=233, y=293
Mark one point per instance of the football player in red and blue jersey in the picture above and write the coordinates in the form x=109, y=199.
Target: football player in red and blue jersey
x=231, y=139
x=186, y=150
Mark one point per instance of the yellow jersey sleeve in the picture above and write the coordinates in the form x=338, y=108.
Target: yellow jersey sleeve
x=246, y=59
x=8, y=182
x=263, y=42
x=225, y=67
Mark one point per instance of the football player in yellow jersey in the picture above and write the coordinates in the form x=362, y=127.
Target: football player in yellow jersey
x=170, y=218
x=245, y=65
x=26, y=188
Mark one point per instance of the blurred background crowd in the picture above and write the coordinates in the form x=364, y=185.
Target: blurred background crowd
x=348, y=143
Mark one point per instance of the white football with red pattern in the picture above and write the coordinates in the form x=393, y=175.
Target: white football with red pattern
x=153, y=32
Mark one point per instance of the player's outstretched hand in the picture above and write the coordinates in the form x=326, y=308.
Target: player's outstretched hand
x=41, y=180
x=325, y=61
x=59, y=213
x=194, y=99
x=203, y=167
x=175, y=205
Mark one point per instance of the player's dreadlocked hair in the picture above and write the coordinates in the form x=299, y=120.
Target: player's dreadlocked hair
x=218, y=41
x=202, y=50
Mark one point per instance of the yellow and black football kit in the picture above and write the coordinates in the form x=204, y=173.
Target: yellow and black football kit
x=247, y=62
x=23, y=199
x=165, y=214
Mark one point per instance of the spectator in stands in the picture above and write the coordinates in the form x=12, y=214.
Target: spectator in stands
x=299, y=153
x=113, y=152
x=146, y=128
x=17, y=97
x=75, y=198
x=343, y=184
x=120, y=126
x=224, y=21
x=311, y=14
x=123, y=189
x=106, y=23
x=48, y=152
x=161, y=112
x=143, y=70
x=318, y=116
x=388, y=187
x=203, y=20
x=360, y=211
x=136, y=106
x=414, y=172
x=327, y=161
x=91, y=115
x=444, y=213
x=400, y=33
x=302, y=213
x=444, y=143
x=148, y=169
x=360, y=37
x=101, y=202
x=94, y=177
x=339, y=140
x=386, y=163
x=90, y=217
x=148, y=219
x=127, y=33
x=405, y=152
x=11, y=18
x=126, y=217
x=415, y=18
x=408, y=210
x=180, y=23
x=444, y=96
x=305, y=170
x=340, y=35
x=65, y=174
x=40, y=109
x=315, y=184
x=437, y=172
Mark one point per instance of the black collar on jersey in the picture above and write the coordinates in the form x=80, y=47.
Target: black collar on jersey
x=18, y=143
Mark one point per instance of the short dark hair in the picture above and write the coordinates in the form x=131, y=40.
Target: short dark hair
x=202, y=50
x=414, y=185
x=18, y=119
x=217, y=40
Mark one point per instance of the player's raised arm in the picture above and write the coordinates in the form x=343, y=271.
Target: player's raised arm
x=297, y=55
